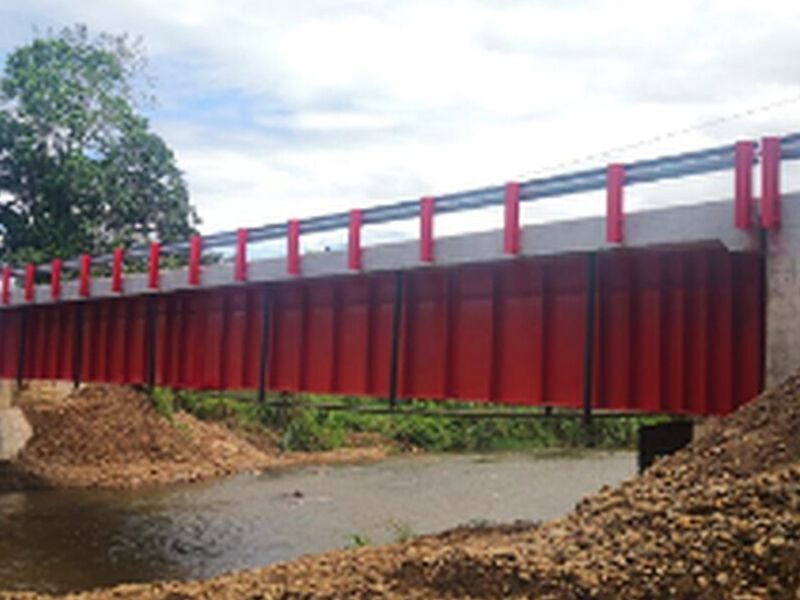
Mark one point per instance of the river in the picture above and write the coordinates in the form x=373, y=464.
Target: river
x=61, y=541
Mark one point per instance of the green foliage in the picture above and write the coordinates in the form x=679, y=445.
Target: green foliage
x=80, y=169
x=401, y=531
x=311, y=430
x=358, y=540
x=164, y=402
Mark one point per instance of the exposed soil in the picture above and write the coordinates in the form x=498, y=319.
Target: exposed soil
x=112, y=437
x=720, y=519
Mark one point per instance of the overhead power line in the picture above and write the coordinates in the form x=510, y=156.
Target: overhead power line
x=673, y=134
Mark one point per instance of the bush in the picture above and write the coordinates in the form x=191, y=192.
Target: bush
x=312, y=431
x=164, y=402
x=309, y=429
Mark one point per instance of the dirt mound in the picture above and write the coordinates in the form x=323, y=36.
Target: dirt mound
x=111, y=436
x=720, y=519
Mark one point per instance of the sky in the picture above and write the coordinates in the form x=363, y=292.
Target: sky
x=290, y=108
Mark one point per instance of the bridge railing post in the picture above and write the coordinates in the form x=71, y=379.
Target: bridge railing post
x=240, y=271
x=615, y=216
x=511, y=219
x=195, y=257
x=426, y=229
x=116, y=270
x=154, y=274
x=354, y=241
x=293, y=247
x=6, y=285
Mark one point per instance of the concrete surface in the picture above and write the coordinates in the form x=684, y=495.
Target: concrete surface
x=7, y=393
x=783, y=295
x=687, y=224
x=15, y=431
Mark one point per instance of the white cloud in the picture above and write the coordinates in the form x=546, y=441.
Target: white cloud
x=345, y=103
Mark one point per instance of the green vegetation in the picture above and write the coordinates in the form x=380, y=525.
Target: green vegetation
x=311, y=427
x=358, y=540
x=402, y=532
x=80, y=168
x=163, y=402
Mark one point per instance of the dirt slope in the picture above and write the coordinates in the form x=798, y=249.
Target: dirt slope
x=110, y=436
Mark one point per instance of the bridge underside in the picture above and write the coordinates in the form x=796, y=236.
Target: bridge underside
x=665, y=330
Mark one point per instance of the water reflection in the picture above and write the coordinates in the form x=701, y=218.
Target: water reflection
x=69, y=540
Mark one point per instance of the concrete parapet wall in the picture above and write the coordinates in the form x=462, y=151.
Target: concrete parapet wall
x=783, y=295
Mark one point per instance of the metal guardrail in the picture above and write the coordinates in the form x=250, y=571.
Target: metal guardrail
x=645, y=171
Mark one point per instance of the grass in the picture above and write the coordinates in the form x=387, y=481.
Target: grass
x=314, y=429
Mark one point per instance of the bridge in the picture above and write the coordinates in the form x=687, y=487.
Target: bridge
x=685, y=309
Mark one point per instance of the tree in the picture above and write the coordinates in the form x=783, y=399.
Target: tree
x=80, y=169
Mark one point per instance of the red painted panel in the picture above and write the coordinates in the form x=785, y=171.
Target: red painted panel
x=677, y=331
x=429, y=311
x=471, y=334
x=353, y=343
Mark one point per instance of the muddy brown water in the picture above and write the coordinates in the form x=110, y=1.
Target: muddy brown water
x=60, y=541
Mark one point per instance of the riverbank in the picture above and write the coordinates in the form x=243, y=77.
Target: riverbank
x=113, y=437
x=105, y=436
x=720, y=519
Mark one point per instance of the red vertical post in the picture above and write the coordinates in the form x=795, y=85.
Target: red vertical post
x=116, y=270
x=511, y=221
x=770, y=182
x=6, y=284
x=426, y=229
x=240, y=270
x=30, y=282
x=354, y=241
x=615, y=179
x=743, y=192
x=86, y=273
x=155, y=254
x=55, y=279
x=293, y=247
x=195, y=253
